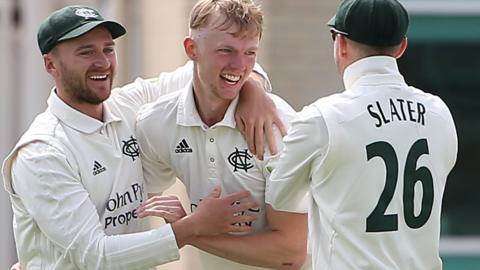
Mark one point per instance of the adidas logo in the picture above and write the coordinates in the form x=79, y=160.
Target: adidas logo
x=183, y=147
x=98, y=168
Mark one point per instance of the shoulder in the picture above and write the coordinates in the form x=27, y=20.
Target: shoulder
x=309, y=121
x=432, y=100
x=312, y=112
x=45, y=127
x=35, y=150
x=45, y=136
x=286, y=112
x=162, y=108
x=433, y=104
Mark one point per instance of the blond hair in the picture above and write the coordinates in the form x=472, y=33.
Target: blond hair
x=244, y=13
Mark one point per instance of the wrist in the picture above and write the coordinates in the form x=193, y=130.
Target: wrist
x=260, y=81
x=184, y=230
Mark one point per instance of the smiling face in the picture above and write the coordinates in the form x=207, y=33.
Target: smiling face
x=224, y=57
x=84, y=68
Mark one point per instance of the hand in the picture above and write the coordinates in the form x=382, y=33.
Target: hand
x=215, y=215
x=255, y=116
x=168, y=207
x=16, y=266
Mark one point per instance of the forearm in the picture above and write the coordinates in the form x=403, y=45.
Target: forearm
x=137, y=251
x=272, y=249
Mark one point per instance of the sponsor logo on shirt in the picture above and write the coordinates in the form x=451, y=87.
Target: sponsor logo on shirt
x=98, y=168
x=130, y=148
x=240, y=160
x=183, y=147
x=133, y=195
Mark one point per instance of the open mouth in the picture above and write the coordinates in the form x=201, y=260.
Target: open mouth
x=98, y=77
x=231, y=79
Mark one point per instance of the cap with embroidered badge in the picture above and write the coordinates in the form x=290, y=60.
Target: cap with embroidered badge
x=371, y=22
x=71, y=22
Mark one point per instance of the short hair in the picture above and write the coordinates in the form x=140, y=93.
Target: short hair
x=244, y=13
x=368, y=50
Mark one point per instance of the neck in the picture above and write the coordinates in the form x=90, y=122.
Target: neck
x=92, y=110
x=211, y=109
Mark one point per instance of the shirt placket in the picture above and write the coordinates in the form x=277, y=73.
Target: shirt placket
x=211, y=155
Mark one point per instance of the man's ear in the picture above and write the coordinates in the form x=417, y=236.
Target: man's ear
x=342, y=45
x=403, y=47
x=190, y=48
x=49, y=63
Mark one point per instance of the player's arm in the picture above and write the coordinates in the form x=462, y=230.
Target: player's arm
x=56, y=199
x=54, y=196
x=168, y=207
x=304, y=147
x=213, y=216
x=283, y=247
x=256, y=114
x=143, y=91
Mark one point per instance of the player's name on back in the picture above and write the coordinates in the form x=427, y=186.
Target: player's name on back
x=397, y=109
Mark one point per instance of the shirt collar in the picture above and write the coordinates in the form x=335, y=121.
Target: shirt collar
x=76, y=119
x=187, y=113
x=372, y=70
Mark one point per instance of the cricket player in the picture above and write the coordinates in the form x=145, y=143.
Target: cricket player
x=375, y=157
x=75, y=177
x=203, y=147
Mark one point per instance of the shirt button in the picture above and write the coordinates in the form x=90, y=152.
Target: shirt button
x=212, y=140
x=212, y=159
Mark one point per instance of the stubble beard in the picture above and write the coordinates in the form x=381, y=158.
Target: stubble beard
x=74, y=84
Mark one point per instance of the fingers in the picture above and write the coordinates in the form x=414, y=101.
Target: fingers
x=166, y=200
x=241, y=224
x=241, y=220
x=167, y=207
x=161, y=211
x=234, y=197
x=280, y=125
x=250, y=136
x=244, y=206
x=259, y=139
x=217, y=191
x=160, y=201
x=240, y=124
x=272, y=144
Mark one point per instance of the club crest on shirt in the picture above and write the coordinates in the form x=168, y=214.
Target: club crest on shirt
x=130, y=148
x=240, y=160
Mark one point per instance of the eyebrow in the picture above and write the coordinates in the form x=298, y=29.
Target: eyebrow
x=90, y=46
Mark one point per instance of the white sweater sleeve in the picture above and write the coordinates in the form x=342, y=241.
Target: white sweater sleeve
x=143, y=91
x=54, y=197
x=306, y=142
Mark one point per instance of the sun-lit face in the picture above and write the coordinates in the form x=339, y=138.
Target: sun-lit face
x=85, y=67
x=223, y=60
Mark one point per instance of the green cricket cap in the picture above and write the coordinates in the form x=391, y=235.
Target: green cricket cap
x=371, y=22
x=71, y=22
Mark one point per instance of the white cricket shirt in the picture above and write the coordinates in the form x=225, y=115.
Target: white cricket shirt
x=75, y=182
x=376, y=159
x=176, y=143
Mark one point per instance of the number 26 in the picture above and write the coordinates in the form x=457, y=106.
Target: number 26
x=378, y=221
